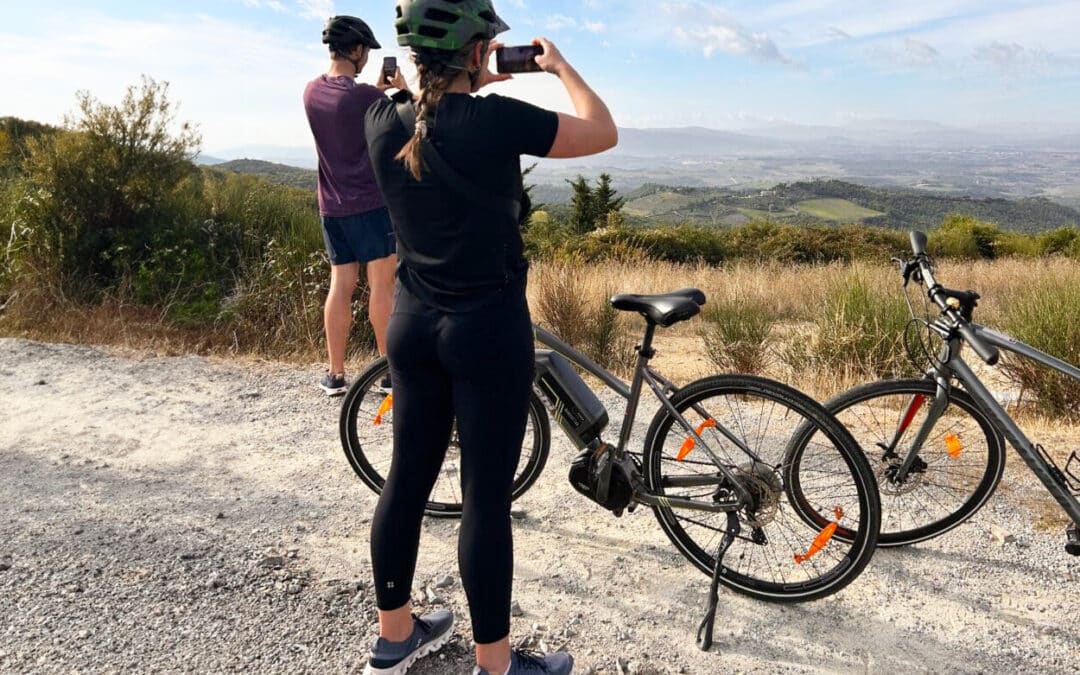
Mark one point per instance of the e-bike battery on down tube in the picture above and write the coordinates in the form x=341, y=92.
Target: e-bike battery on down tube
x=595, y=473
x=576, y=408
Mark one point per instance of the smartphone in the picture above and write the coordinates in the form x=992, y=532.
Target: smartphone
x=389, y=68
x=518, y=59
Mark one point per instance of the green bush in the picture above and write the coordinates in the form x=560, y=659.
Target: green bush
x=964, y=237
x=1047, y=318
x=737, y=335
x=607, y=337
x=858, y=332
x=1062, y=241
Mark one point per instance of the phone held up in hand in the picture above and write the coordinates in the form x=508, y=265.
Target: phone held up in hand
x=389, y=69
x=518, y=59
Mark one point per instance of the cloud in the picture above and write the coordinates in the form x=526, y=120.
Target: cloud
x=559, y=22
x=714, y=30
x=275, y=5
x=594, y=26
x=834, y=33
x=918, y=53
x=315, y=9
x=1014, y=60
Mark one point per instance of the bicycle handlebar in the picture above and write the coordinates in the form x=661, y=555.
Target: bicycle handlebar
x=918, y=243
x=988, y=353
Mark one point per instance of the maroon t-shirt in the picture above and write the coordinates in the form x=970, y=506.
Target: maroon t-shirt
x=335, y=110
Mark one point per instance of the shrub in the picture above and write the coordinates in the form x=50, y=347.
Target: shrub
x=1048, y=318
x=561, y=302
x=607, y=337
x=737, y=335
x=962, y=236
x=102, y=188
x=858, y=332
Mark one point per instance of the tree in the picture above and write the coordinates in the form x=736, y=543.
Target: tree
x=104, y=184
x=583, y=211
x=605, y=200
x=527, y=201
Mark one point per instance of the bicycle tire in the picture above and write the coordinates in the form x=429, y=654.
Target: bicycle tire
x=863, y=527
x=527, y=472
x=961, y=405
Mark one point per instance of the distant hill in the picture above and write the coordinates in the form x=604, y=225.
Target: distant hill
x=806, y=202
x=833, y=201
x=275, y=173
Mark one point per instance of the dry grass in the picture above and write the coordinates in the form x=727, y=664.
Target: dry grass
x=567, y=297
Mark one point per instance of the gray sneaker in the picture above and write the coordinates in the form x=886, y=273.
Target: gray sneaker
x=333, y=384
x=430, y=633
x=523, y=661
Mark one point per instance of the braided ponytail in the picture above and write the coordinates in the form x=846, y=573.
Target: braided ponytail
x=437, y=73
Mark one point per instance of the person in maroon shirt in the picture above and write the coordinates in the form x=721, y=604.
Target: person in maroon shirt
x=356, y=225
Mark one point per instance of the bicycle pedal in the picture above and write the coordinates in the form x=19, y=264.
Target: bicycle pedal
x=1072, y=540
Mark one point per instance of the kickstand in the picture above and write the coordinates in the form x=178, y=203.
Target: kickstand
x=705, y=630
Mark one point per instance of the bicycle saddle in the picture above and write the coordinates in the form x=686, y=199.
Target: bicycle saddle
x=663, y=310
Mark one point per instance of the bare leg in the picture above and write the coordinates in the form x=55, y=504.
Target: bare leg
x=338, y=312
x=380, y=275
x=494, y=657
x=397, y=625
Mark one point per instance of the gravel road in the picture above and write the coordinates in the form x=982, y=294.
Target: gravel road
x=196, y=515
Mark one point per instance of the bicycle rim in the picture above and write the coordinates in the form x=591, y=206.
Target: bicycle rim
x=366, y=426
x=963, y=456
x=778, y=555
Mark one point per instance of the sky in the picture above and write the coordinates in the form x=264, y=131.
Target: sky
x=238, y=67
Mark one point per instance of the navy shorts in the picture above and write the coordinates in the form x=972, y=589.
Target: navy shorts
x=359, y=239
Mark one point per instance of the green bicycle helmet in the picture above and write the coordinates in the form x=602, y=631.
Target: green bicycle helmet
x=447, y=25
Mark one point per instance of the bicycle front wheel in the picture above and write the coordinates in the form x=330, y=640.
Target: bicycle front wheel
x=367, y=436
x=955, y=472
x=791, y=456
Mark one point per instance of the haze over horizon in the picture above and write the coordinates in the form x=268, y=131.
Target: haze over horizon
x=238, y=66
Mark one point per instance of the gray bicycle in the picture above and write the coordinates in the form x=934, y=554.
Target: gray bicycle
x=938, y=449
x=754, y=482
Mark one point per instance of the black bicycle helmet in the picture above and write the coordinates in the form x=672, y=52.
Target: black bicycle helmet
x=448, y=25
x=343, y=33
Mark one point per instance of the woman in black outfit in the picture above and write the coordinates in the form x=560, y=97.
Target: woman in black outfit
x=460, y=339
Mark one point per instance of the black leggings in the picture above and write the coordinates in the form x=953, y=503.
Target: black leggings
x=477, y=367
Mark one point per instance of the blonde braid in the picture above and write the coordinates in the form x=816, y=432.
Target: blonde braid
x=435, y=79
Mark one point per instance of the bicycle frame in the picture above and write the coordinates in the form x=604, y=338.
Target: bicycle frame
x=950, y=364
x=661, y=387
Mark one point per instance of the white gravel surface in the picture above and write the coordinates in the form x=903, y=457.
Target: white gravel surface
x=195, y=515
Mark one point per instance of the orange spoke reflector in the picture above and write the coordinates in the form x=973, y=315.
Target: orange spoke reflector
x=387, y=404
x=823, y=538
x=690, y=442
x=953, y=446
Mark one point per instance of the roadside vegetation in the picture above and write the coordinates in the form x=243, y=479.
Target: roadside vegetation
x=111, y=234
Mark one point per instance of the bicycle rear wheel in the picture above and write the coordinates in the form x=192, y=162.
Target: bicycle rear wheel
x=958, y=467
x=794, y=456
x=366, y=426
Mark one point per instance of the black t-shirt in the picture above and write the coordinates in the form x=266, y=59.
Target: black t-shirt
x=454, y=254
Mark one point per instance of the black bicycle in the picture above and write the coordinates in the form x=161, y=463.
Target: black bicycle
x=755, y=483
x=938, y=449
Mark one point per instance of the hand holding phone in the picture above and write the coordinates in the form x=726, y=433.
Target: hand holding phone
x=518, y=59
x=389, y=69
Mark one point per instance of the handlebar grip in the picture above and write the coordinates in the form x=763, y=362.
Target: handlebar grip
x=988, y=353
x=918, y=243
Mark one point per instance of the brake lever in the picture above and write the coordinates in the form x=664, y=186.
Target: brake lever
x=907, y=269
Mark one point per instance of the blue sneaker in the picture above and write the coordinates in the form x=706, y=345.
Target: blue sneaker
x=430, y=633
x=523, y=661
